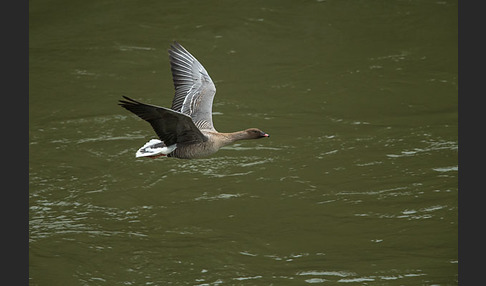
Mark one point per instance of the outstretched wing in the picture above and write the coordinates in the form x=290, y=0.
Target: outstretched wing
x=194, y=89
x=171, y=126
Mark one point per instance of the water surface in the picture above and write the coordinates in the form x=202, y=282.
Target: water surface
x=356, y=185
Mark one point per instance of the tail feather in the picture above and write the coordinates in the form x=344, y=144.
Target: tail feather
x=155, y=148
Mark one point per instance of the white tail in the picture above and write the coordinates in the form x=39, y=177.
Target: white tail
x=153, y=148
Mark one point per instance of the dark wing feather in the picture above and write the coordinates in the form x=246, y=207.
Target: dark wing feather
x=171, y=126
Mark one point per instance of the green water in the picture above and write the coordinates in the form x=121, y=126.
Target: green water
x=357, y=184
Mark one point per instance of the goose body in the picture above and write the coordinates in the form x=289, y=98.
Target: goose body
x=185, y=130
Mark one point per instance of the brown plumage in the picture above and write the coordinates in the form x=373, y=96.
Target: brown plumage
x=186, y=129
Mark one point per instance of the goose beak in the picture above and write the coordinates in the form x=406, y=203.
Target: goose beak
x=265, y=134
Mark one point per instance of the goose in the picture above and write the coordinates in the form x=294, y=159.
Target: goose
x=186, y=130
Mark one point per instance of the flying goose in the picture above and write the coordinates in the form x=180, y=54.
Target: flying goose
x=185, y=130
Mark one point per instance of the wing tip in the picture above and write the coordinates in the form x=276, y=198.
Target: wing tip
x=175, y=47
x=127, y=102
